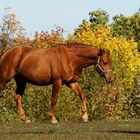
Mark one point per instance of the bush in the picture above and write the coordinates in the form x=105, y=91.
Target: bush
x=126, y=64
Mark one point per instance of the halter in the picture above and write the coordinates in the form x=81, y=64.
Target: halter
x=99, y=66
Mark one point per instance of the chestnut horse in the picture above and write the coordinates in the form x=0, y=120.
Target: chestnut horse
x=58, y=65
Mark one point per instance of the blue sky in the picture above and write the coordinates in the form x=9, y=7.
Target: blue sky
x=37, y=15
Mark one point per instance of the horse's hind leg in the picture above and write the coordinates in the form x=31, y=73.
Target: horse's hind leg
x=21, y=84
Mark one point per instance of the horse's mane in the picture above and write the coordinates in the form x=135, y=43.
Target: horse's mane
x=78, y=45
x=74, y=45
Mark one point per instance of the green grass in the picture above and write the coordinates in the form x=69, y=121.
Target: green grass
x=96, y=130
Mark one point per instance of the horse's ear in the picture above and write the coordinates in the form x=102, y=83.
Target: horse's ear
x=100, y=52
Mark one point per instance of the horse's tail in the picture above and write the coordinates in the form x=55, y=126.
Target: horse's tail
x=2, y=51
x=1, y=85
x=1, y=55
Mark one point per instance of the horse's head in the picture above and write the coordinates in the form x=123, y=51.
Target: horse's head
x=103, y=65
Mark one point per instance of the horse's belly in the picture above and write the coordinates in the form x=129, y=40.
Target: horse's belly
x=40, y=80
x=37, y=78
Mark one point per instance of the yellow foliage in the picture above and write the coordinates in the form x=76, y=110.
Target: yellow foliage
x=125, y=56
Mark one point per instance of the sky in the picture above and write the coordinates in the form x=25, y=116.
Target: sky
x=38, y=15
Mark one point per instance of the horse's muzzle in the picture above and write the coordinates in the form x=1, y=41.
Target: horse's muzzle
x=109, y=79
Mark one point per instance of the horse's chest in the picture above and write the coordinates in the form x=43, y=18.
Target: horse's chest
x=70, y=74
x=73, y=78
x=70, y=78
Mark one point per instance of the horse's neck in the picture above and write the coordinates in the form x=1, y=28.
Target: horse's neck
x=86, y=56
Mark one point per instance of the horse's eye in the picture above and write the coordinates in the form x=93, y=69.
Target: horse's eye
x=105, y=63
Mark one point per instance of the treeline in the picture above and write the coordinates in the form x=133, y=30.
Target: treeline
x=119, y=100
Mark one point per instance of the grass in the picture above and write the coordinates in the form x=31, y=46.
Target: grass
x=96, y=130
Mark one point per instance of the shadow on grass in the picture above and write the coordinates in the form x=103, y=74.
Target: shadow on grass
x=121, y=131
x=28, y=132
x=66, y=132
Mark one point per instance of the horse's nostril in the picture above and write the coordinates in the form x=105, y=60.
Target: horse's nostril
x=110, y=79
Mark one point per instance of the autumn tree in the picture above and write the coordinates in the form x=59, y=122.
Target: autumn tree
x=46, y=39
x=10, y=30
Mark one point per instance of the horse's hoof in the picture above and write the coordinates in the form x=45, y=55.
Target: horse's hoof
x=26, y=121
x=54, y=120
x=85, y=117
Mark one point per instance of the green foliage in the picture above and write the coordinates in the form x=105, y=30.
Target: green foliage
x=133, y=102
x=128, y=27
x=98, y=17
x=7, y=104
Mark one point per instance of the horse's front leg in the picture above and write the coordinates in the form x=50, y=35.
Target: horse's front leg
x=77, y=89
x=55, y=91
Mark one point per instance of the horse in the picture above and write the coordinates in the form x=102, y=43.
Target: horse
x=59, y=65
